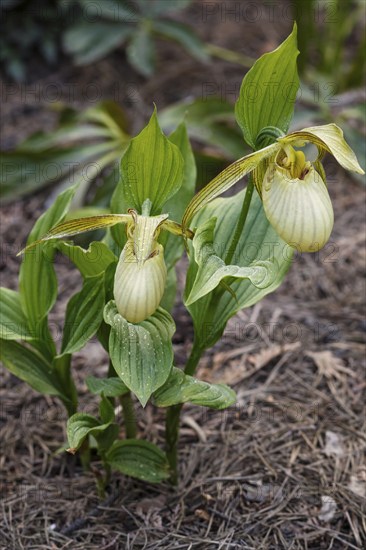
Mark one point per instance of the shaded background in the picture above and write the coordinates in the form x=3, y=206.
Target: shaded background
x=285, y=467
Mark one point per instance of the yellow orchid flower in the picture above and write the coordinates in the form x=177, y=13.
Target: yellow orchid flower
x=293, y=190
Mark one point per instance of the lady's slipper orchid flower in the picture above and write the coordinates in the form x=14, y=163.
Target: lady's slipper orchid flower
x=141, y=272
x=139, y=282
x=293, y=190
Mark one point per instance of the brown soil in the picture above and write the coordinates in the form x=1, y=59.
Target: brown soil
x=283, y=469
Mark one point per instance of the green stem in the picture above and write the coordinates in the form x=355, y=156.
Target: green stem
x=128, y=415
x=229, y=55
x=241, y=222
x=85, y=455
x=173, y=418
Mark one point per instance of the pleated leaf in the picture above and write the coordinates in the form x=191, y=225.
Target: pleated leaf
x=31, y=367
x=13, y=322
x=84, y=314
x=139, y=459
x=81, y=425
x=212, y=269
x=181, y=388
x=110, y=387
x=142, y=354
x=152, y=168
x=268, y=91
x=89, y=262
x=37, y=278
x=258, y=242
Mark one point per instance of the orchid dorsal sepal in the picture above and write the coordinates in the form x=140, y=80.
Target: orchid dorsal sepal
x=82, y=225
x=328, y=137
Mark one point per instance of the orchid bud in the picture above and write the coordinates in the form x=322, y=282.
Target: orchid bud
x=296, y=201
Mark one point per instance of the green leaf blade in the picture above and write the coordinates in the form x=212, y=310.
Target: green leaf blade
x=258, y=242
x=152, y=168
x=142, y=354
x=268, y=91
x=139, y=459
x=182, y=388
x=13, y=322
x=84, y=314
x=30, y=367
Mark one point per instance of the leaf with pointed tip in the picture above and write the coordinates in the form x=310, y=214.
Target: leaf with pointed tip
x=13, y=322
x=142, y=353
x=110, y=387
x=182, y=388
x=152, y=168
x=139, y=459
x=268, y=91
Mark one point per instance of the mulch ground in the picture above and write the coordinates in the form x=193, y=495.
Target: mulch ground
x=282, y=469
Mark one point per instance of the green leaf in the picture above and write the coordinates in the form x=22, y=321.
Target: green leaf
x=139, y=459
x=89, y=262
x=31, y=367
x=115, y=10
x=212, y=269
x=80, y=426
x=181, y=388
x=84, y=314
x=13, y=322
x=110, y=387
x=154, y=8
x=25, y=171
x=175, y=206
x=258, y=242
x=106, y=410
x=141, y=51
x=183, y=35
x=37, y=278
x=142, y=354
x=210, y=121
x=268, y=91
x=152, y=168
x=89, y=42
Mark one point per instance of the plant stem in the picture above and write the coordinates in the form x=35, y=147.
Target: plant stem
x=241, y=222
x=128, y=415
x=173, y=418
x=229, y=55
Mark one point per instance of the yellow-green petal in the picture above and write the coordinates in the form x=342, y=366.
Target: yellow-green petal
x=139, y=287
x=226, y=179
x=329, y=137
x=300, y=210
